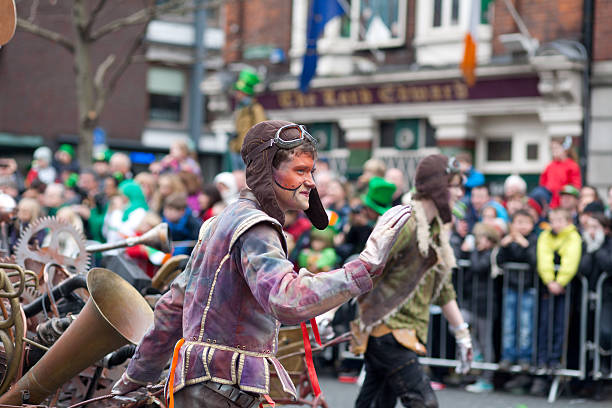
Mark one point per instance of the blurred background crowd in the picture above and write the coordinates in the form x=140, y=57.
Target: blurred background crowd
x=558, y=230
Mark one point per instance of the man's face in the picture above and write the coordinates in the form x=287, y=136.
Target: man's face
x=88, y=182
x=101, y=168
x=568, y=202
x=293, y=182
x=480, y=196
x=592, y=227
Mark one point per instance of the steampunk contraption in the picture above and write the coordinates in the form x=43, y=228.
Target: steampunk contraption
x=64, y=327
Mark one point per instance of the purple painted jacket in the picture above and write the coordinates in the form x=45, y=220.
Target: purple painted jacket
x=228, y=304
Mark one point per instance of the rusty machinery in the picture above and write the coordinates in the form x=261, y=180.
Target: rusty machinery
x=52, y=259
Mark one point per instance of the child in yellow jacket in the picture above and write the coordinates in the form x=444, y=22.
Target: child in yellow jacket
x=560, y=247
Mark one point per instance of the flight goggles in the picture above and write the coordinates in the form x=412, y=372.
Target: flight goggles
x=280, y=139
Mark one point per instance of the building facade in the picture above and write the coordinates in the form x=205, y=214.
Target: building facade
x=388, y=82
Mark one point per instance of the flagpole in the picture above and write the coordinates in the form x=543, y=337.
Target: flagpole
x=517, y=19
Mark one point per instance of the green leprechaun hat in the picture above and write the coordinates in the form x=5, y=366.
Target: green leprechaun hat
x=246, y=81
x=380, y=195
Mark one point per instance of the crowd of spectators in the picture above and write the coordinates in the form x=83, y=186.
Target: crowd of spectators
x=559, y=228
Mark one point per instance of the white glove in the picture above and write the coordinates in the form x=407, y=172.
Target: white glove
x=383, y=236
x=124, y=386
x=464, y=349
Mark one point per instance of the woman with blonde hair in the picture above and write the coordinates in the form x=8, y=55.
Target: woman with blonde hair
x=166, y=184
x=28, y=211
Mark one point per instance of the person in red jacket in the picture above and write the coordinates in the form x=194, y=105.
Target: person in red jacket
x=562, y=170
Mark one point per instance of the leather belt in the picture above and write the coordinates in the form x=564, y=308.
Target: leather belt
x=234, y=394
x=380, y=330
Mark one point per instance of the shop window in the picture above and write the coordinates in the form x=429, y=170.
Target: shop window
x=166, y=88
x=402, y=134
x=533, y=152
x=499, y=150
x=440, y=29
x=329, y=135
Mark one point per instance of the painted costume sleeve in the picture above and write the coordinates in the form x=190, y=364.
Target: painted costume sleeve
x=155, y=349
x=290, y=297
x=570, y=259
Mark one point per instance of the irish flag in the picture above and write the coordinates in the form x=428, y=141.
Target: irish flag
x=468, y=65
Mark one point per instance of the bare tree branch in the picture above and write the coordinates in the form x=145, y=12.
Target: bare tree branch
x=46, y=34
x=94, y=13
x=33, y=10
x=140, y=17
x=103, y=92
x=101, y=71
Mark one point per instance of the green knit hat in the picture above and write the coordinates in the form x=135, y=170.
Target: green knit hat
x=102, y=155
x=246, y=81
x=67, y=148
x=380, y=195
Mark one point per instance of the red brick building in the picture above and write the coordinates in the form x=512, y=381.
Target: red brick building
x=388, y=82
x=37, y=79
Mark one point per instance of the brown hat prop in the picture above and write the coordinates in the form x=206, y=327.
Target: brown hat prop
x=8, y=21
x=431, y=180
x=258, y=150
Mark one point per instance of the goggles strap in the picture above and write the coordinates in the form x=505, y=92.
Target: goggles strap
x=259, y=149
x=285, y=188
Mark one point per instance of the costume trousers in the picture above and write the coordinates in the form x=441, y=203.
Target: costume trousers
x=393, y=371
x=199, y=396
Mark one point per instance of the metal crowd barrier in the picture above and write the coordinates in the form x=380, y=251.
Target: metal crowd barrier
x=441, y=347
x=602, y=353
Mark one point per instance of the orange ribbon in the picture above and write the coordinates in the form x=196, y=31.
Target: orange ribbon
x=170, y=392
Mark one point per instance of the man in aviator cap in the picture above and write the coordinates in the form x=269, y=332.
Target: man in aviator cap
x=224, y=311
x=394, y=316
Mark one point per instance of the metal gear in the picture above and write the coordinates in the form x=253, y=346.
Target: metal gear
x=33, y=256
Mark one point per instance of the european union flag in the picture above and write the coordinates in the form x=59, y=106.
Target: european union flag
x=321, y=12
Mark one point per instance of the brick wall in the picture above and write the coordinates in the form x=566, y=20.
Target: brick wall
x=546, y=20
x=37, y=78
x=602, y=32
x=256, y=22
x=268, y=22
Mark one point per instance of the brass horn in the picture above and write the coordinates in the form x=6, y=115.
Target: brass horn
x=157, y=237
x=115, y=314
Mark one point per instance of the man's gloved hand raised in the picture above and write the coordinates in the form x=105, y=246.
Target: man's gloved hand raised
x=464, y=347
x=124, y=386
x=384, y=235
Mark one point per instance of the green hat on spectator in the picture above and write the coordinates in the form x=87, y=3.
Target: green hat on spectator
x=103, y=155
x=67, y=148
x=72, y=180
x=247, y=79
x=380, y=195
x=570, y=190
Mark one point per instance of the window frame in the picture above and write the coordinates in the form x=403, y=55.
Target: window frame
x=402, y=20
x=164, y=124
